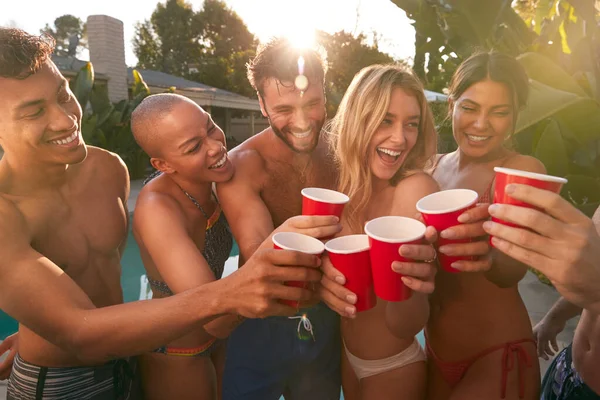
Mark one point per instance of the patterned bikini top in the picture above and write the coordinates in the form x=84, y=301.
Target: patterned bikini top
x=217, y=243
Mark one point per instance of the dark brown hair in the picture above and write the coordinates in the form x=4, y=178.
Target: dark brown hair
x=22, y=54
x=278, y=58
x=497, y=67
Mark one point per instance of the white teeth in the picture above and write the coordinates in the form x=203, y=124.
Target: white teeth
x=389, y=152
x=301, y=135
x=67, y=140
x=478, y=138
x=220, y=163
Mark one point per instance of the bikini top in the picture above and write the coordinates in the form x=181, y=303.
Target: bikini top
x=217, y=243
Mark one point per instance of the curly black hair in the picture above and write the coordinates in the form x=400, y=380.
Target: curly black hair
x=22, y=54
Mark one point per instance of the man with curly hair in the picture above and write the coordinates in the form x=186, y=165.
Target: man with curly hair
x=63, y=226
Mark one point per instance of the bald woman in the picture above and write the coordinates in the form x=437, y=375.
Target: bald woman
x=184, y=238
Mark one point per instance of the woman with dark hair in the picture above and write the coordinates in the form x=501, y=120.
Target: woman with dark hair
x=479, y=337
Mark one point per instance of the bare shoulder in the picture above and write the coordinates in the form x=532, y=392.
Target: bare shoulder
x=249, y=164
x=153, y=205
x=410, y=190
x=248, y=153
x=418, y=184
x=104, y=158
x=526, y=163
x=108, y=167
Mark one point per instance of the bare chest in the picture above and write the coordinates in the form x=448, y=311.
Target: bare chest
x=283, y=184
x=79, y=233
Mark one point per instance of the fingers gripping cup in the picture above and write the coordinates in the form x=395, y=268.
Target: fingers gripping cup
x=506, y=176
x=441, y=210
x=386, y=236
x=298, y=242
x=350, y=255
x=318, y=201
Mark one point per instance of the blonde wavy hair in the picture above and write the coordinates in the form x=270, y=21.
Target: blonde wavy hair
x=360, y=113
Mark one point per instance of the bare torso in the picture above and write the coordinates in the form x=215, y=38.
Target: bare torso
x=367, y=336
x=479, y=314
x=281, y=180
x=195, y=225
x=80, y=228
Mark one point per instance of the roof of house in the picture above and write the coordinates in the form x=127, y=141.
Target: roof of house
x=203, y=94
x=162, y=79
x=70, y=66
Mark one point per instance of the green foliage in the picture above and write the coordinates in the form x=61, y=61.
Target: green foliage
x=107, y=125
x=346, y=55
x=211, y=46
x=65, y=27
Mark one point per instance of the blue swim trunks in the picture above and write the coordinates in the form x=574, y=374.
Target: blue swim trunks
x=562, y=382
x=266, y=358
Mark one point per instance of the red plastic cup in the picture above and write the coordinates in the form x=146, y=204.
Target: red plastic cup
x=297, y=242
x=319, y=201
x=386, y=236
x=441, y=210
x=350, y=255
x=505, y=176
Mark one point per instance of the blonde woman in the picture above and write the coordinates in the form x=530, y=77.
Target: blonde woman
x=382, y=136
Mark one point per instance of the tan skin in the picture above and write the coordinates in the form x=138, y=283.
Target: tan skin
x=390, y=327
x=63, y=225
x=170, y=231
x=271, y=171
x=564, y=245
x=480, y=306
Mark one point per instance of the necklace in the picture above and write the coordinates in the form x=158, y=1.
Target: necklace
x=196, y=203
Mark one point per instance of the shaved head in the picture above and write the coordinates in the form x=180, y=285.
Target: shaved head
x=149, y=118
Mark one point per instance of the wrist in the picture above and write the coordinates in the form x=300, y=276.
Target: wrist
x=220, y=302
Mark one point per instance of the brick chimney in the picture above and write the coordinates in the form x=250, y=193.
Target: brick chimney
x=106, y=42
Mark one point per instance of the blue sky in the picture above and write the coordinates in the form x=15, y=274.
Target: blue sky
x=264, y=18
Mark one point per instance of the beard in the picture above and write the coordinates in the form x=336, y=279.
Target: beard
x=281, y=134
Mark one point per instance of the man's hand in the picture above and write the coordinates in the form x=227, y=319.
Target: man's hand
x=561, y=242
x=254, y=290
x=545, y=333
x=10, y=345
x=317, y=226
x=471, y=227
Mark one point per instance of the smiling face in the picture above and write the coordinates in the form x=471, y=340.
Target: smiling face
x=396, y=135
x=40, y=119
x=482, y=118
x=296, y=119
x=191, y=145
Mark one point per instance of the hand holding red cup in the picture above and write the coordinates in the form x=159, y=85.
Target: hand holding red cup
x=319, y=201
x=441, y=210
x=506, y=176
x=350, y=255
x=297, y=242
x=386, y=236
